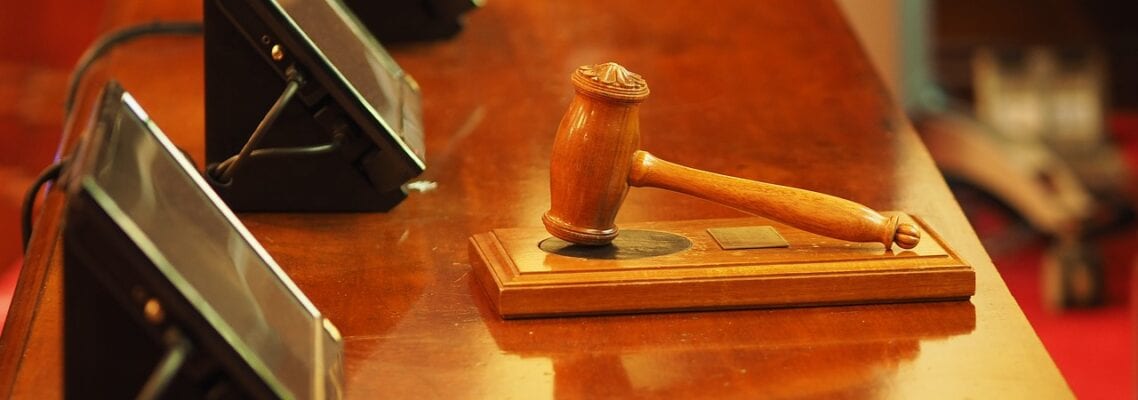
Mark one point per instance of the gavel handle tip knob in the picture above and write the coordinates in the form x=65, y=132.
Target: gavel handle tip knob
x=907, y=236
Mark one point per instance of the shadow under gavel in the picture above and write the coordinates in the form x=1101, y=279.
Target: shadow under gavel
x=596, y=157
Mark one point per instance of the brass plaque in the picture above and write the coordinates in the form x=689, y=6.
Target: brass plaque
x=747, y=237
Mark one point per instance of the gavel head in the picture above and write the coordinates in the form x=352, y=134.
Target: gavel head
x=592, y=154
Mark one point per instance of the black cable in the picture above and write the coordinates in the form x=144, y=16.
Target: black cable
x=49, y=174
x=108, y=41
x=302, y=151
x=296, y=151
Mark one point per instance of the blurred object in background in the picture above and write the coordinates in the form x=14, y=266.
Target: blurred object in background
x=1036, y=75
x=38, y=52
x=1011, y=98
x=960, y=27
x=1022, y=105
x=1057, y=98
x=1047, y=106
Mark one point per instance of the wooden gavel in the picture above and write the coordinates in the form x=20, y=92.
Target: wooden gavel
x=596, y=157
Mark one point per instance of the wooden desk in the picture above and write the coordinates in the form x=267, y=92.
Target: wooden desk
x=775, y=91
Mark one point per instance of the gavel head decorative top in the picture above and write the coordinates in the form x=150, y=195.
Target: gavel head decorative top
x=596, y=157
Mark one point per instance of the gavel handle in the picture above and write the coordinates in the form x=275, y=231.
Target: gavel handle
x=810, y=211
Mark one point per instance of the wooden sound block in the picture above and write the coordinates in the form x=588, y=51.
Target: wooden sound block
x=523, y=280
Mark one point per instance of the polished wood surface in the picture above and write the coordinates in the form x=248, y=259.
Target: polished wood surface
x=772, y=91
x=679, y=265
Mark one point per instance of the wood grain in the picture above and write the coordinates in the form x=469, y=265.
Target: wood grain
x=592, y=154
x=522, y=280
x=814, y=212
x=596, y=157
x=808, y=112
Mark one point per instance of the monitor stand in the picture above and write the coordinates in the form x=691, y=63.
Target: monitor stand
x=241, y=83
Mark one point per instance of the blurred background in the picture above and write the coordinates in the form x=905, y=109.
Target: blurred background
x=1030, y=108
x=42, y=42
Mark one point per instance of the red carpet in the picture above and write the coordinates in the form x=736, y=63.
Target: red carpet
x=1094, y=348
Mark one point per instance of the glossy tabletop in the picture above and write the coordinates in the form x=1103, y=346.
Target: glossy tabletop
x=776, y=91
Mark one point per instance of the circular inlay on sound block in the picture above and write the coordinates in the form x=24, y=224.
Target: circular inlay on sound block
x=630, y=244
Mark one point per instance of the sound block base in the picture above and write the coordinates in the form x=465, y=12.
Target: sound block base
x=522, y=280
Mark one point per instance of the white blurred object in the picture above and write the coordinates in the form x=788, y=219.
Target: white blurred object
x=968, y=150
x=1050, y=104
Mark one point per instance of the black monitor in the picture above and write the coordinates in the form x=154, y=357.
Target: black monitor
x=165, y=291
x=347, y=141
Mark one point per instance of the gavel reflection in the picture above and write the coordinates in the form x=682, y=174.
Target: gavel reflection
x=596, y=157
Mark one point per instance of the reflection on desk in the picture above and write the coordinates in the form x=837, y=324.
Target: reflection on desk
x=772, y=91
